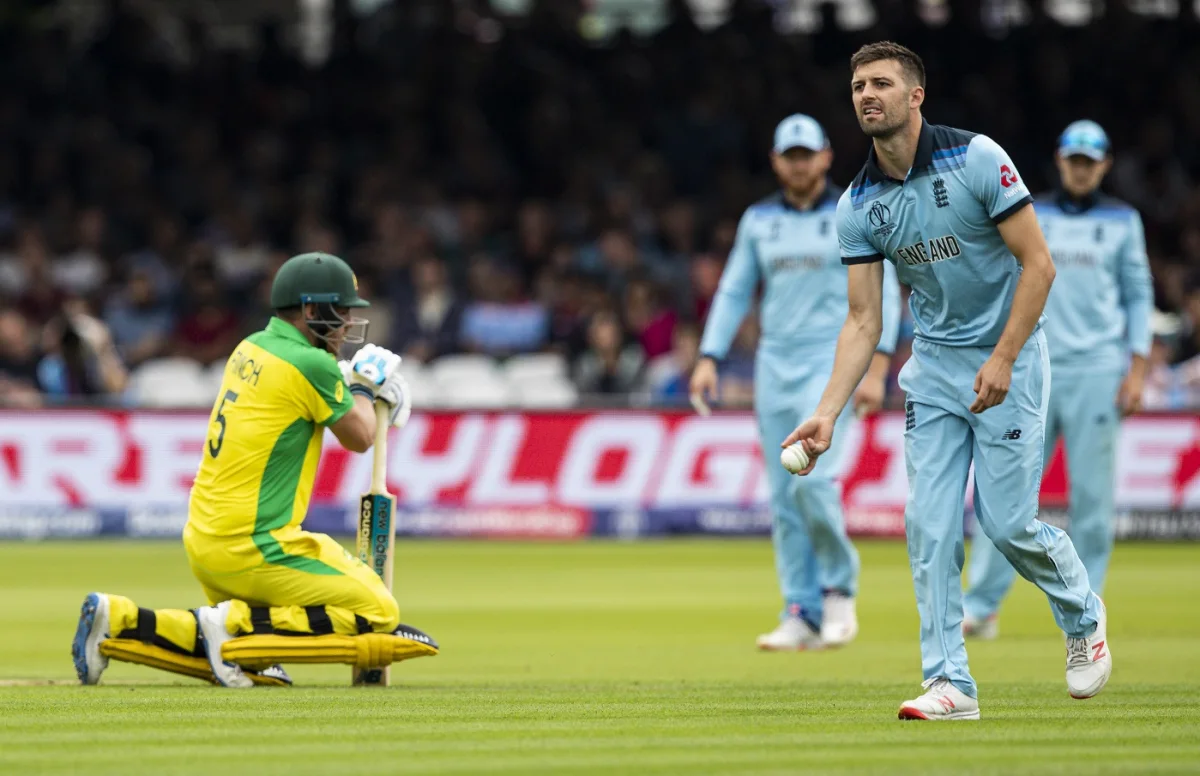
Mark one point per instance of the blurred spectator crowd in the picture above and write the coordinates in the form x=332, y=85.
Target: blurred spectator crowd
x=503, y=189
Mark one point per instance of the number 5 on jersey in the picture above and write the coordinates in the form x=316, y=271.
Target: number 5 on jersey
x=214, y=445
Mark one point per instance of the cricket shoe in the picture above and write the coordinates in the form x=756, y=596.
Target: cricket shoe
x=92, y=629
x=1089, y=660
x=792, y=635
x=211, y=620
x=941, y=701
x=983, y=629
x=839, y=623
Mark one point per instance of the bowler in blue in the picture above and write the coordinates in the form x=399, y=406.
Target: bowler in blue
x=788, y=243
x=949, y=209
x=1098, y=329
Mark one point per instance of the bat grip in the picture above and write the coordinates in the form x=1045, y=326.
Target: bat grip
x=379, y=467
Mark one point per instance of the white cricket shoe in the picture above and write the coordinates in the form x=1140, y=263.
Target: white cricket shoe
x=792, y=635
x=211, y=620
x=986, y=629
x=941, y=701
x=839, y=623
x=1089, y=661
x=92, y=629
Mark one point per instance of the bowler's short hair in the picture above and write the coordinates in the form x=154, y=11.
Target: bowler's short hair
x=910, y=63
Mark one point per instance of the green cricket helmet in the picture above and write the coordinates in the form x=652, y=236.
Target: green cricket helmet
x=326, y=281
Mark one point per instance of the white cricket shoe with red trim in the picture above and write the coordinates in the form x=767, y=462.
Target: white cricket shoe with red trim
x=792, y=635
x=986, y=629
x=1089, y=660
x=941, y=701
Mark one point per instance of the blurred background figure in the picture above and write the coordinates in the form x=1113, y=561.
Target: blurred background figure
x=380, y=315
x=140, y=320
x=208, y=327
x=667, y=375
x=428, y=320
x=1164, y=386
x=83, y=270
x=18, y=362
x=608, y=366
x=651, y=322
x=500, y=319
x=79, y=361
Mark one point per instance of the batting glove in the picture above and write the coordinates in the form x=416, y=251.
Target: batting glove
x=396, y=393
x=370, y=369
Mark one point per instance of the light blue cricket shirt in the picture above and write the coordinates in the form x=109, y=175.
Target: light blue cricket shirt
x=795, y=255
x=1102, y=298
x=938, y=226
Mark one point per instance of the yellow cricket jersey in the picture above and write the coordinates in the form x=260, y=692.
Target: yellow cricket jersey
x=264, y=437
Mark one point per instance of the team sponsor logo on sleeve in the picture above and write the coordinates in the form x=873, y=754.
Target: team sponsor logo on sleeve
x=1008, y=178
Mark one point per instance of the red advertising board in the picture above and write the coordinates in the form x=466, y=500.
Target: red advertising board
x=559, y=469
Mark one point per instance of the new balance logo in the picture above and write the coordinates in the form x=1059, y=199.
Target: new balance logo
x=1012, y=433
x=947, y=704
x=1098, y=651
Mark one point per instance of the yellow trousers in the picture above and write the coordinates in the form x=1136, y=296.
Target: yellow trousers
x=289, y=581
x=290, y=570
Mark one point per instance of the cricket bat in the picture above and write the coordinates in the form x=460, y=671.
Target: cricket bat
x=377, y=531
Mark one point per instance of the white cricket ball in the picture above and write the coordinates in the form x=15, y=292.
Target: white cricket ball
x=793, y=458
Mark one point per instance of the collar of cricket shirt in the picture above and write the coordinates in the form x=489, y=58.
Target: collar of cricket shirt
x=1076, y=205
x=831, y=193
x=281, y=328
x=922, y=159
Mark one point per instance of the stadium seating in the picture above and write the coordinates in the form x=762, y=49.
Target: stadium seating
x=214, y=374
x=551, y=394
x=421, y=382
x=535, y=366
x=540, y=380
x=533, y=381
x=172, y=382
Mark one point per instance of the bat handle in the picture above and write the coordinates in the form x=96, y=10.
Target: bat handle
x=379, y=468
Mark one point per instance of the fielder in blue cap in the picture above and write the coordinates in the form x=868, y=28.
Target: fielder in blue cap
x=1098, y=330
x=788, y=241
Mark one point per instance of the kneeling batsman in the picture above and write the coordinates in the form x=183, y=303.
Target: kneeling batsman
x=277, y=593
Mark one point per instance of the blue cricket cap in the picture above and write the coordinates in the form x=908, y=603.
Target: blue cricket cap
x=799, y=131
x=1084, y=138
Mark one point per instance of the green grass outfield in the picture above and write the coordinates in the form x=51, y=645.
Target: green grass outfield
x=604, y=657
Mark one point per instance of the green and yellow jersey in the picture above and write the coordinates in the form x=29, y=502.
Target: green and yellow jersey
x=264, y=437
